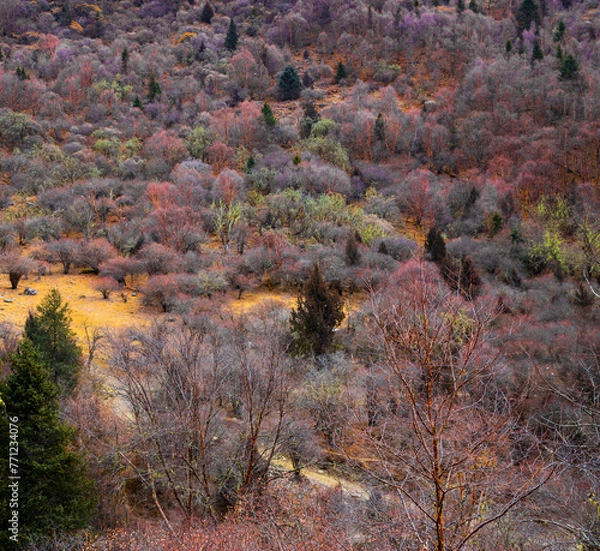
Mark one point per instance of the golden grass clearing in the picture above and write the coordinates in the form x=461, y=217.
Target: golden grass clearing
x=90, y=311
x=88, y=308
x=250, y=301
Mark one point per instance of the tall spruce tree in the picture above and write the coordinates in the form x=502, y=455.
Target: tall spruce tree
x=125, y=61
x=231, y=40
x=154, y=88
x=559, y=32
x=319, y=310
x=268, y=116
x=54, y=494
x=380, y=128
x=340, y=72
x=50, y=332
x=569, y=68
x=435, y=245
x=289, y=84
x=528, y=12
x=537, y=54
x=207, y=14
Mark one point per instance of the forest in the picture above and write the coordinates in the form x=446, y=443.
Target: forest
x=360, y=244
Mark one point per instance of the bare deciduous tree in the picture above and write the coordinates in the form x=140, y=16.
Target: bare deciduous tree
x=208, y=410
x=439, y=427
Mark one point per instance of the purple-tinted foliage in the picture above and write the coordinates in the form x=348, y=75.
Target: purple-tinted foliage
x=358, y=187
x=158, y=8
x=172, y=117
x=153, y=110
x=376, y=175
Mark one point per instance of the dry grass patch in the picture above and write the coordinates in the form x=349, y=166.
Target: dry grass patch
x=88, y=308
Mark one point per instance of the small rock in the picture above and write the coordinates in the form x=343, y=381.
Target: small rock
x=30, y=292
x=8, y=299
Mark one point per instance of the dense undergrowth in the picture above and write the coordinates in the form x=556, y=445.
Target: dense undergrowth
x=441, y=159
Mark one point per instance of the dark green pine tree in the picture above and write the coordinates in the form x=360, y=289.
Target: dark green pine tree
x=340, y=73
x=460, y=6
x=380, y=128
x=353, y=256
x=21, y=73
x=569, y=68
x=311, y=116
x=435, y=245
x=470, y=283
x=320, y=309
x=231, y=40
x=289, y=84
x=473, y=6
x=50, y=332
x=207, y=14
x=154, y=88
x=125, y=61
x=559, y=31
x=250, y=164
x=137, y=102
x=508, y=47
x=528, y=12
x=199, y=55
x=559, y=53
x=536, y=54
x=268, y=116
x=66, y=16
x=54, y=493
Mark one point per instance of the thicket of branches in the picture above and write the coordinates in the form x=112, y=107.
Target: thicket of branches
x=422, y=175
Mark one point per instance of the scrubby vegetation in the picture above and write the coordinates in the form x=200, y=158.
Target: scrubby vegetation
x=423, y=175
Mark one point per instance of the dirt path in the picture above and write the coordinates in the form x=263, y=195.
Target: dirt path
x=322, y=478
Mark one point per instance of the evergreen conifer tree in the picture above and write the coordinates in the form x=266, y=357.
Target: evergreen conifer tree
x=508, y=47
x=320, y=309
x=559, y=31
x=21, y=73
x=137, y=102
x=536, y=54
x=353, y=256
x=460, y=6
x=311, y=116
x=435, y=245
x=569, y=68
x=340, y=73
x=231, y=40
x=125, y=61
x=54, y=494
x=473, y=6
x=207, y=14
x=380, y=128
x=49, y=330
x=269, y=117
x=528, y=12
x=289, y=84
x=153, y=88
